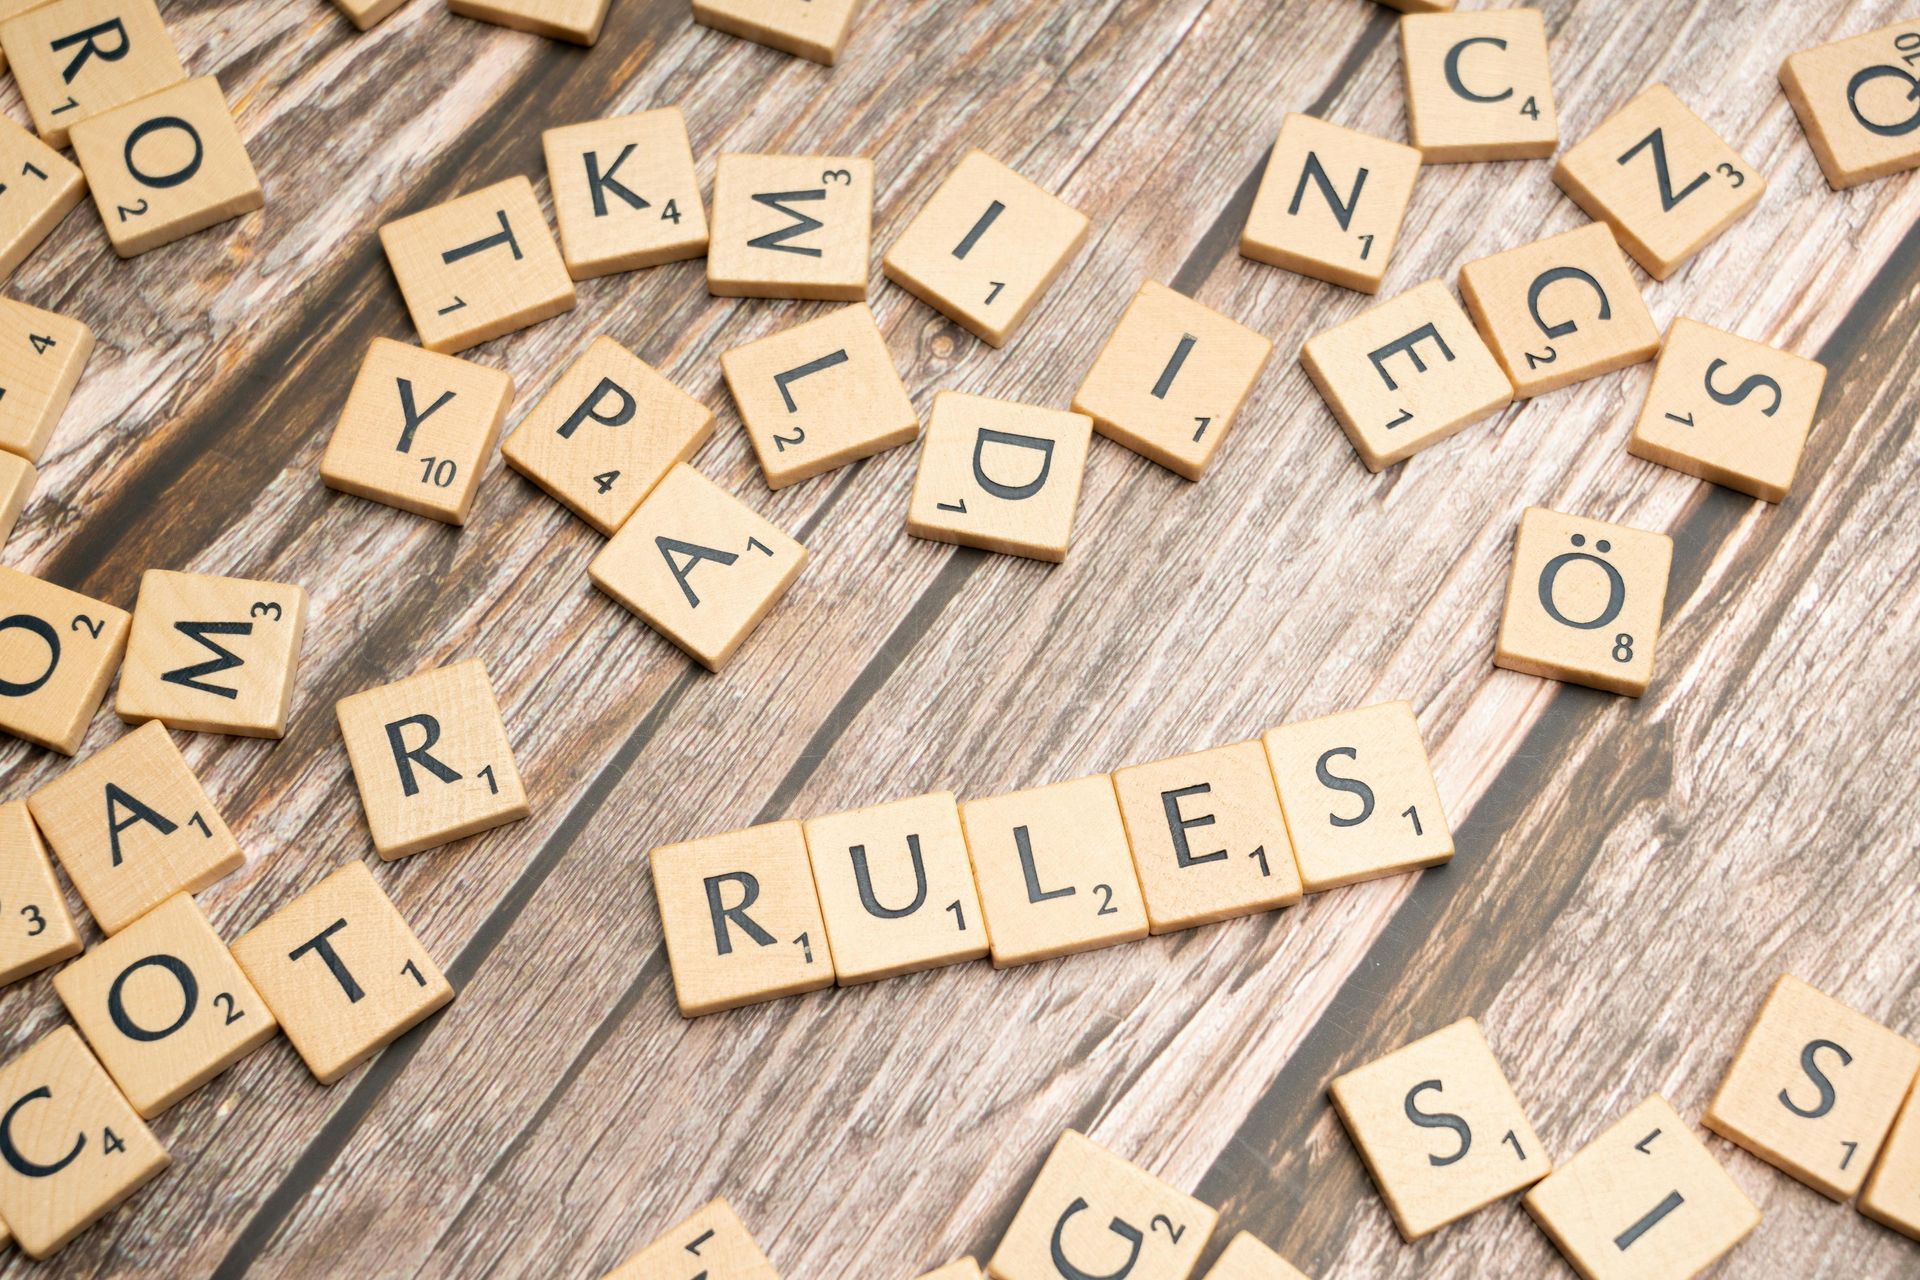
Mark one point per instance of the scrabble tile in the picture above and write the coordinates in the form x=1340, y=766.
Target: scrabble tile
x=1560, y=310
x=819, y=395
x=605, y=433
x=74, y=59
x=576, y=21
x=216, y=655
x=478, y=266
x=999, y=476
x=1405, y=374
x=791, y=227
x=431, y=758
x=1643, y=1201
x=896, y=888
x=417, y=430
x=1358, y=795
x=1171, y=379
x=41, y=356
x=342, y=972
x=166, y=166
x=365, y=14
x=1814, y=1088
x=1859, y=102
x=624, y=193
x=960, y=1269
x=712, y=1243
x=698, y=565
x=38, y=188
x=35, y=928
x=1892, y=1195
x=1090, y=1213
x=1419, y=6
x=1479, y=86
x=1054, y=871
x=1330, y=203
x=985, y=247
x=1208, y=839
x=81, y=1149
x=816, y=30
x=58, y=650
x=164, y=1006
x=1584, y=602
x=741, y=918
x=1245, y=1258
x=1439, y=1128
x=1663, y=180
x=11, y=9
x=1728, y=410
x=17, y=478
x=133, y=827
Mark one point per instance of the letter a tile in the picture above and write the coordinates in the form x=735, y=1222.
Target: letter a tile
x=212, y=654
x=712, y=1243
x=741, y=918
x=1859, y=102
x=342, y=972
x=791, y=227
x=999, y=476
x=1584, y=602
x=1643, y=1201
x=43, y=187
x=431, y=758
x=1814, y=1088
x=133, y=827
x=74, y=59
x=1440, y=1128
x=1892, y=1195
x=624, y=193
x=1478, y=86
x=81, y=1149
x=1245, y=1258
x=1090, y=1213
x=1331, y=203
x=39, y=931
x=479, y=266
x=58, y=651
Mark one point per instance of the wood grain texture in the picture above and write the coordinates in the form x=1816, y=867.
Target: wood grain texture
x=1631, y=876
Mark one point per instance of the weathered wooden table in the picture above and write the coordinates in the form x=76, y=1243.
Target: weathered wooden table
x=1631, y=875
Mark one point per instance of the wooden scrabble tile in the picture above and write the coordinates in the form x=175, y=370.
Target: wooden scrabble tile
x=1054, y=871
x=1419, y=6
x=74, y=59
x=1814, y=1088
x=1246, y=1258
x=58, y=650
x=17, y=478
x=1405, y=374
x=1859, y=102
x=366, y=14
x=1331, y=203
x=985, y=247
x=819, y=395
x=1439, y=1128
x=741, y=918
x=791, y=227
x=133, y=827
x=1208, y=839
x=1478, y=86
x=1358, y=795
x=999, y=476
x=712, y=1243
x=1171, y=379
x=41, y=356
x=35, y=928
x=605, y=433
x=1584, y=601
x=38, y=188
x=417, y=430
x=1643, y=1201
x=166, y=166
x=816, y=30
x=896, y=888
x=1892, y=1195
x=342, y=972
x=76, y=1149
x=624, y=193
x=960, y=1269
x=1560, y=310
x=1661, y=178
x=1090, y=1213
x=164, y=1006
x=431, y=758
x=577, y=21
x=698, y=565
x=479, y=266
x=1728, y=410
x=216, y=655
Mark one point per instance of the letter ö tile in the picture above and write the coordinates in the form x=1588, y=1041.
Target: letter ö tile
x=1585, y=601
